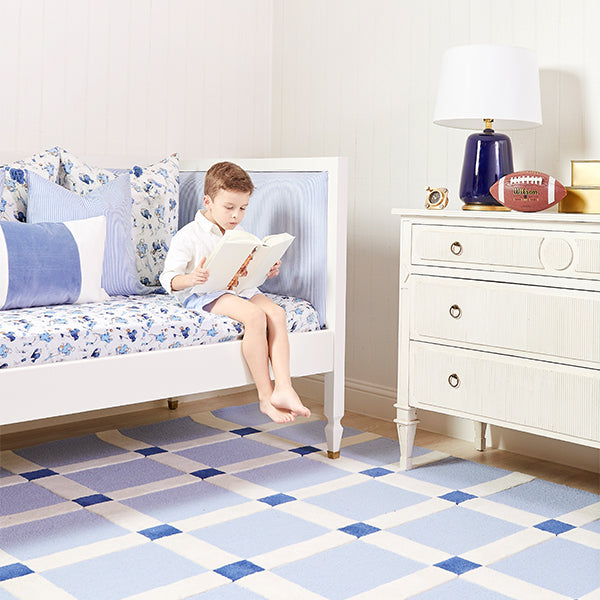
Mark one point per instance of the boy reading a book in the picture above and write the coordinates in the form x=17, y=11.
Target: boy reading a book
x=227, y=191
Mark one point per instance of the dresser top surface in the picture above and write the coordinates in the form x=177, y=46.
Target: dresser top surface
x=512, y=217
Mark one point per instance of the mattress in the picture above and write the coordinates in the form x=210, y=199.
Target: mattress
x=123, y=325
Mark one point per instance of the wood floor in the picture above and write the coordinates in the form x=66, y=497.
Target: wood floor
x=12, y=438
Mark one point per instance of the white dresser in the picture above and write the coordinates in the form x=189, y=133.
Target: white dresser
x=500, y=322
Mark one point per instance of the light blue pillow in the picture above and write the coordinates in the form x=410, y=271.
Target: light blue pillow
x=49, y=202
x=51, y=263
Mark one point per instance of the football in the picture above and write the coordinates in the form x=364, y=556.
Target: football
x=528, y=191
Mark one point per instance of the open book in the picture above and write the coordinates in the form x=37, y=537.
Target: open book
x=242, y=261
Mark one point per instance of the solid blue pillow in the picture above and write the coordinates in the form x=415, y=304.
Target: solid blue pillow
x=49, y=202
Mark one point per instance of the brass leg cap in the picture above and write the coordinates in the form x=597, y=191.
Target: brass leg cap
x=331, y=454
x=173, y=404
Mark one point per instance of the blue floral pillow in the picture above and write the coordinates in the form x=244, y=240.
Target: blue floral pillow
x=49, y=202
x=13, y=202
x=154, y=192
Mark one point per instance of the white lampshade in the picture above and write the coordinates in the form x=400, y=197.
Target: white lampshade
x=489, y=82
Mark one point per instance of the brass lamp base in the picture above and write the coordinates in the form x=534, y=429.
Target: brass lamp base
x=484, y=207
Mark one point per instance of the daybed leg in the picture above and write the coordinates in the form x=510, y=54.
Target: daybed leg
x=173, y=404
x=334, y=411
x=479, y=435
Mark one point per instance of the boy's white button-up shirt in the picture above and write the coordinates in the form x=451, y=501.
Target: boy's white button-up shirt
x=189, y=245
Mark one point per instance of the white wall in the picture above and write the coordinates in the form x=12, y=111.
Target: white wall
x=136, y=77
x=359, y=78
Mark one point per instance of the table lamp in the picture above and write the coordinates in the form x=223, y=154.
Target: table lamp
x=486, y=86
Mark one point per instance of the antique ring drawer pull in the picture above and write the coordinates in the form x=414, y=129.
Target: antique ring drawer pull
x=456, y=248
x=455, y=311
x=453, y=380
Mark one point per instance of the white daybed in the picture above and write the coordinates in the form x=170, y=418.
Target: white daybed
x=76, y=386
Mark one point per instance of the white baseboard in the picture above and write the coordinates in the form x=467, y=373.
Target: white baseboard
x=377, y=401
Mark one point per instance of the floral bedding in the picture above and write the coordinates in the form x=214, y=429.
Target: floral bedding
x=122, y=325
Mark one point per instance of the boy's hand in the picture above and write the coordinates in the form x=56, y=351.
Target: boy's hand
x=199, y=275
x=274, y=270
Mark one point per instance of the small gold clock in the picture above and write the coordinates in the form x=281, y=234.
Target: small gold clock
x=436, y=198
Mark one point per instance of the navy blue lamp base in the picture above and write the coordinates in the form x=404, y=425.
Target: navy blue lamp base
x=488, y=157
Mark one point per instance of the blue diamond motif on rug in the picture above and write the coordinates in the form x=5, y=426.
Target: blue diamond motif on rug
x=245, y=431
x=239, y=569
x=376, y=472
x=457, y=497
x=277, y=499
x=457, y=565
x=554, y=526
x=359, y=529
x=160, y=531
x=92, y=499
x=39, y=474
x=14, y=570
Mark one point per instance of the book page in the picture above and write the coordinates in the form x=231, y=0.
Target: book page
x=265, y=256
x=224, y=264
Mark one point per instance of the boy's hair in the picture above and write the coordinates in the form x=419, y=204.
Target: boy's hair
x=227, y=176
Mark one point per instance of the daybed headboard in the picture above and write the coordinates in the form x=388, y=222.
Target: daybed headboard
x=294, y=202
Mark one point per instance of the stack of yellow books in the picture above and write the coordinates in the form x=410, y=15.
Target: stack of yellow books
x=584, y=194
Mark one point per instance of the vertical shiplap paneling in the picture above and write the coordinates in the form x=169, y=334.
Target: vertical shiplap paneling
x=28, y=111
x=54, y=75
x=74, y=60
x=9, y=99
x=591, y=85
x=438, y=40
x=137, y=77
x=118, y=42
x=174, y=78
x=97, y=82
x=140, y=77
x=159, y=82
x=523, y=34
x=548, y=137
x=572, y=83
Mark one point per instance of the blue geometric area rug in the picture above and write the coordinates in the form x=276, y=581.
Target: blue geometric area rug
x=225, y=505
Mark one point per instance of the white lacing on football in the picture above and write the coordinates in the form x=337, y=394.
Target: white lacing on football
x=523, y=179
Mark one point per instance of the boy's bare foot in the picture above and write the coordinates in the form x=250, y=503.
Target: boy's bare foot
x=287, y=399
x=276, y=414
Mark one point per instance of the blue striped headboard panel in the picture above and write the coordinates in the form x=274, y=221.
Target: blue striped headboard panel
x=295, y=202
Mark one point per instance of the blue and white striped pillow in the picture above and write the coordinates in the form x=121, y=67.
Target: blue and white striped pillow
x=51, y=263
x=49, y=202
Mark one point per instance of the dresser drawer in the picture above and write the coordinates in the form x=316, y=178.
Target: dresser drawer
x=567, y=254
x=546, y=322
x=506, y=390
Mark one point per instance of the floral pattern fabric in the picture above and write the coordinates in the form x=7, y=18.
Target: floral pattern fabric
x=13, y=202
x=154, y=192
x=122, y=325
